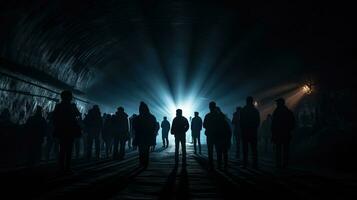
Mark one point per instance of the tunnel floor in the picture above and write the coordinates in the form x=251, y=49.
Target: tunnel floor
x=107, y=179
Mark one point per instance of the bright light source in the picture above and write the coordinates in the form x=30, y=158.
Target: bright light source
x=187, y=110
x=307, y=89
x=256, y=103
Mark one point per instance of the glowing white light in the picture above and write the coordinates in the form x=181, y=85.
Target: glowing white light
x=307, y=89
x=256, y=103
x=187, y=109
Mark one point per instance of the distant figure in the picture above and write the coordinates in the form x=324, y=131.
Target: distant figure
x=66, y=129
x=165, y=128
x=132, y=131
x=283, y=123
x=265, y=132
x=121, y=133
x=209, y=123
x=249, y=122
x=107, y=133
x=237, y=130
x=93, y=124
x=144, y=126
x=179, y=127
x=36, y=126
x=196, y=127
x=222, y=139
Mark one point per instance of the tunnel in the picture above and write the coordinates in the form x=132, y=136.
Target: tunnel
x=123, y=56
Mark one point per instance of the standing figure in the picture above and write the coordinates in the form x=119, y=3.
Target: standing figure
x=165, y=128
x=144, y=126
x=249, y=122
x=179, y=128
x=222, y=139
x=121, y=133
x=237, y=130
x=283, y=123
x=196, y=127
x=66, y=129
x=93, y=123
x=209, y=123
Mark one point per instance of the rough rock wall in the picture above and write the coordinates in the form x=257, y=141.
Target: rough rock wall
x=35, y=37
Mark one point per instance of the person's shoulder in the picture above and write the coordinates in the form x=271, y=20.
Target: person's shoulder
x=208, y=115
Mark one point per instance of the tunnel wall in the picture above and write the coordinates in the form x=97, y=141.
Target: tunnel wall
x=37, y=39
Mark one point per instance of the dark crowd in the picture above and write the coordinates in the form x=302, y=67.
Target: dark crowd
x=64, y=134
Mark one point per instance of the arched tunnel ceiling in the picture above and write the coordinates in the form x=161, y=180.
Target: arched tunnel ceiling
x=119, y=52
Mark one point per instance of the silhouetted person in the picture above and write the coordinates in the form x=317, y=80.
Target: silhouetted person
x=196, y=127
x=107, y=133
x=222, y=139
x=132, y=131
x=66, y=128
x=144, y=126
x=265, y=131
x=283, y=122
x=249, y=122
x=237, y=130
x=165, y=128
x=93, y=124
x=36, y=130
x=121, y=133
x=179, y=128
x=209, y=123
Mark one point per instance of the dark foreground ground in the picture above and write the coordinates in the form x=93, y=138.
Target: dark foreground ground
x=107, y=179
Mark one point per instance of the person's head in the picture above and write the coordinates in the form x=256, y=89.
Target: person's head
x=96, y=107
x=165, y=118
x=178, y=112
x=249, y=100
x=196, y=114
x=269, y=116
x=120, y=109
x=66, y=96
x=38, y=111
x=212, y=106
x=280, y=102
x=143, y=108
